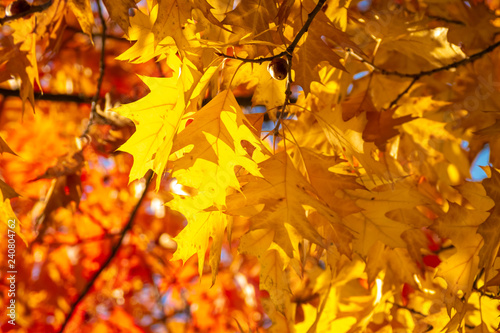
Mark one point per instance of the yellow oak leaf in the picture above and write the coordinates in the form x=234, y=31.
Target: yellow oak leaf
x=322, y=36
x=491, y=134
x=7, y=214
x=372, y=224
x=141, y=31
x=286, y=196
x=158, y=117
x=397, y=265
x=327, y=183
x=215, y=134
x=211, y=152
x=274, y=280
x=252, y=18
x=195, y=237
x=490, y=230
x=356, y=104
x=83, y=12
x=380, y=126
x=268, y=92
x=18, y=58
x=172, y=20
x=460, y=224
x=119, y=11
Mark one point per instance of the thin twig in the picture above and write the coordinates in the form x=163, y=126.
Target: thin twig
x=291, y=47
x=81, y=99
x=102, y=67
x=304, y=29
x=256, y=60
x=49, y=97
x=444, y=19
x=394, y=102
x=455, y=64
x=31, y=10
x=288, y=53
x=288, y=93
x=110, y=258
x=407, y=308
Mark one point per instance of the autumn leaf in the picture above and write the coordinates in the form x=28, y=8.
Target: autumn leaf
x=354, y=105
x=380, y=127
x=83, y=12
x=7, y=191
x=4, y=147
x=372, y=224
x=172, y=21
x=119, y=11
x=285, y=194
x=489, y=230
x=216, y=134
x=158, y=118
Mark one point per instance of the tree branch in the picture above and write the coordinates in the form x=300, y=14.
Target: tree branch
x=455, y=64
x=304, y=29
x=256, y=60
x=114, y=251
x=291, y=47
x=31, y=10
x=102, y=67
x=49, y=97
x=394, y=102
x=407, y=308
x=81, y=99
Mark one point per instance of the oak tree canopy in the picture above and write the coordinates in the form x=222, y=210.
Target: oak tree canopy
x=251, y=165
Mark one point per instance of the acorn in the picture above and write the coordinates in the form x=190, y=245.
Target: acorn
x=278, y=68
x=17, y=7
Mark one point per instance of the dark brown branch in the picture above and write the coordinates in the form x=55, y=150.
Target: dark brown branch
x=444, y=19
x=407, y=308
x=256, y=60
x=110, y=258
x=102, y=67
x=455, y=64
x=81, y=99
x=31, y=10
x=304, y=29
x=49, y=97
x=291, y=47
x=394, y=102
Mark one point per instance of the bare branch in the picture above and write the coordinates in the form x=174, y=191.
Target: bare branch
x=395, y=101
x=304, y=29
x=257, y=60
x=102, y=67
x=114, y=251
x=455, y=64
x=291, y=47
